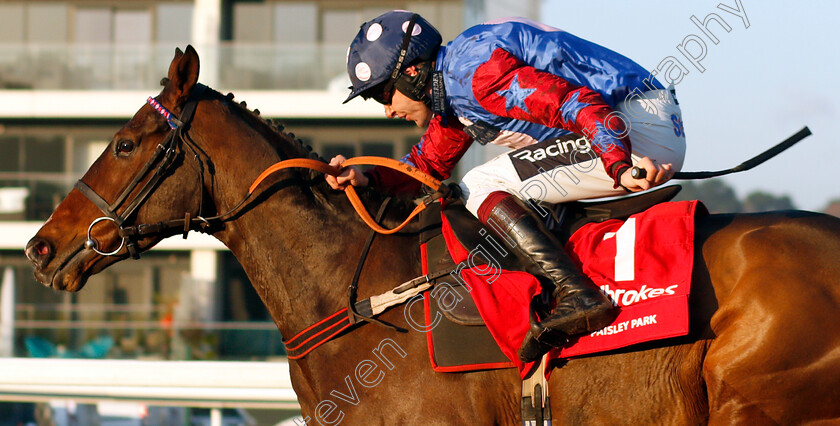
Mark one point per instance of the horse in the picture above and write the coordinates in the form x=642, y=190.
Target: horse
x=763, y=345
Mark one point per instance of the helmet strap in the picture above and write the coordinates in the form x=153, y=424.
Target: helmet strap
x=414, y=87
x=403, y=51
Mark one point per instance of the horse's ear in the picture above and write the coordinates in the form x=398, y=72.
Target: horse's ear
x=183, y=74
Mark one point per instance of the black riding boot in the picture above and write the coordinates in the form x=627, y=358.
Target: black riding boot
x=580, y=308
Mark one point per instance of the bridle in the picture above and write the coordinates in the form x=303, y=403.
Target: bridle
x=156, y=168
x=163, y=159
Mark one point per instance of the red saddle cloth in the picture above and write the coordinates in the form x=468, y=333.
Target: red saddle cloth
x=644, y=264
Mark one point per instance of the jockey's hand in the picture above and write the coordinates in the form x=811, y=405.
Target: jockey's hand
x=349, y=175
x=657, y=174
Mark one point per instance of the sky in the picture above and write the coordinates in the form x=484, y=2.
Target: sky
x=760, y=84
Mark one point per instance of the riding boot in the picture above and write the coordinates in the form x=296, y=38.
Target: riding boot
x=580, y=307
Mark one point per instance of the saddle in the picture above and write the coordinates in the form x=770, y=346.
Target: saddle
x=458, y=339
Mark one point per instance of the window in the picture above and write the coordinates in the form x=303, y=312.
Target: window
x=43, y=154
x=111, y=48
x=11, y=23
x=282, y=22
x=92, y=25
x=132, y=35
x=107, y=25
x=339, y=26
x=251, y=22
x=9, y=153
x=132, y=26
x=46, y=22
x=47, y=162
x=447, y=17
x=295, y=23
x=174, y=22
x=378, y=149
x=86, y=150
x=32, y=153
x=330, y=150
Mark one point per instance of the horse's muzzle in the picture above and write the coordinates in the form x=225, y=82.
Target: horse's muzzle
x=39, y=251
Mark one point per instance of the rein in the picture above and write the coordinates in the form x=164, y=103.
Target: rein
x=440, y=189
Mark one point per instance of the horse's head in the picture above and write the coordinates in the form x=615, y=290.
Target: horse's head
x=130, y=197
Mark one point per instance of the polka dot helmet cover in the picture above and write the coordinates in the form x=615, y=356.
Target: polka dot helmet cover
x=375, y=50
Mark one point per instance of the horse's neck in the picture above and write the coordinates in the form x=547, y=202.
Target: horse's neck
x=299, y=251
x=298, y=259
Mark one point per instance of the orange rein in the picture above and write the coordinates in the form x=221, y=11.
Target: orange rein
x=350, y=191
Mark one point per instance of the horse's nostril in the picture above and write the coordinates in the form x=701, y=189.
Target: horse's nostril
x=38, y=251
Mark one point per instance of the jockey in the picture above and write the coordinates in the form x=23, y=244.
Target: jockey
x=536, y=90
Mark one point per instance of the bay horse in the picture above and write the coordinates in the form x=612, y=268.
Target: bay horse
x=764, y=341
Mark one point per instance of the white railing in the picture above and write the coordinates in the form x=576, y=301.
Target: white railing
x=209, y=384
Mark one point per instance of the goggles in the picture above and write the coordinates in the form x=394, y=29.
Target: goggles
x=382, y=93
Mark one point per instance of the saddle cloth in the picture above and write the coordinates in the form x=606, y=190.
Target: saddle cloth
x=643, y=263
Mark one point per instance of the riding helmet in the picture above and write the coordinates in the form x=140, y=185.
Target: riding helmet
x=375, y=52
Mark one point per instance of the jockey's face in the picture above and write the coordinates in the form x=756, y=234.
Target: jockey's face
x=402, y=106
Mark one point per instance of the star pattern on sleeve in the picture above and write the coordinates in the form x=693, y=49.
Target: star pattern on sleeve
x=572, y=107
x=515, y=95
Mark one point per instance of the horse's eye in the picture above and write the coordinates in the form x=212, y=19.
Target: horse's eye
x=125, y=146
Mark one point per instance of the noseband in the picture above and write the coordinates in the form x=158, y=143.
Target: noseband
x=156, y=168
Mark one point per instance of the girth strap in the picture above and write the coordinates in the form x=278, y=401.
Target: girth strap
x=317, y=334
x=325, y=330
